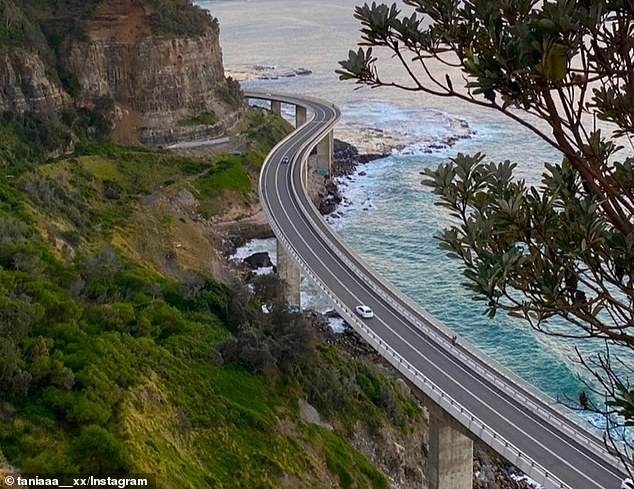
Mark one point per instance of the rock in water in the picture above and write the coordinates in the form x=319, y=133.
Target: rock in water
x=258, y=260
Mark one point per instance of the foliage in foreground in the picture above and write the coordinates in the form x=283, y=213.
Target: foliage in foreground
x=560, y=256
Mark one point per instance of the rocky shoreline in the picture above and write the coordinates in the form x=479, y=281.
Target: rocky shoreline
x=264, y=72
x=403, y=139
x=346, y=159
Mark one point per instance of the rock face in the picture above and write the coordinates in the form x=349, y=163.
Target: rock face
x=331, y=200
x=258, y=260
x=25, y=86
x=156, y=88
x=154, y=81
x=493, y=472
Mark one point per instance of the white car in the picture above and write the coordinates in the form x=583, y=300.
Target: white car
x=364, y=311
x=286, y=159
x=627, y=484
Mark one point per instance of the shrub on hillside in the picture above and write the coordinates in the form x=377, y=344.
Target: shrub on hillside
x=99, y=452
x=231, y=93
x=180, y=17
x=30, y=138
x=277, y=341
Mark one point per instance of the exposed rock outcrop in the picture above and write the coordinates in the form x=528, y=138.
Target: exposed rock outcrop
x=156, y=87
x=492, y=472
x=346, y=158
x=258, y=260
x=154, y=81
x=25, y=85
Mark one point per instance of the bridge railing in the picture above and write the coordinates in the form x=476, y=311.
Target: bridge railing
x=495, y=373
x=500, y=376
x=476, y=426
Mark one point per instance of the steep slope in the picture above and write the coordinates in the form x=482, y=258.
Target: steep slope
x=25, y=82
x=108, y=365
x=26, y=86
x=152, y=68
x=155, y=81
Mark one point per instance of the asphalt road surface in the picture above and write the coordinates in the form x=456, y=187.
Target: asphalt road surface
x=523, y=425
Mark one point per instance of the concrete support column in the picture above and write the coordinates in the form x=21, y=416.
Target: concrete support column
x=288, y=272
x=276, y=107
x=450, y=453
x=325, y=150
x=300, y=116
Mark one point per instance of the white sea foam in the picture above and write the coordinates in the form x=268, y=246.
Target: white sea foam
x=256, y=246
x=385, y=128
x=311, y=296
x=264, y=72
x=528, y=480
x=337, y=325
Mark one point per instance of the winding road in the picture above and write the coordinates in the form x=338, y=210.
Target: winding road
x=526, y=427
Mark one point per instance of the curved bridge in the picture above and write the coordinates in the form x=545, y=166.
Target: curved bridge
x=526, y=427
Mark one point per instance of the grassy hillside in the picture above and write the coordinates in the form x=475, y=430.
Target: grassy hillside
x=108, y=364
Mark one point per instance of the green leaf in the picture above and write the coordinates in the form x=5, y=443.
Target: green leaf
x=555, y=62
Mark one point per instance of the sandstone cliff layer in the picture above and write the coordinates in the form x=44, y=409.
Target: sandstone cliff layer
x=25, y=85
x=154, y=81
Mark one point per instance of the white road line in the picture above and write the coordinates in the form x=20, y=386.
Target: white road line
x=414, y=349
x=363, y=280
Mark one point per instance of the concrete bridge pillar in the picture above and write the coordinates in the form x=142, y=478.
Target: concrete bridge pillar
x=300, y=116
x=450, y=452
x=276, y=107
x=325, y=150
x=288, y=272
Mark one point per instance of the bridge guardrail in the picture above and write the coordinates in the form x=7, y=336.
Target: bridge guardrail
x=532, y=469
x=475, y=425
x=582, y=433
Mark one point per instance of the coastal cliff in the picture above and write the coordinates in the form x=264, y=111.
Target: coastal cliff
x=25, y=86
x=154, y=81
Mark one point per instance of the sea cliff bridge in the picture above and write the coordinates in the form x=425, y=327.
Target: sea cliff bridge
x=470, y=396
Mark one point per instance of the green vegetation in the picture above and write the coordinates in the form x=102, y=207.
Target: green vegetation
x=332, y=381
x=236, y=175
x=96, y=190
x=113, y=368
x=34, y=23
x=29, y=138
x=16, y=29
x=180, y=18
x=344, y=463
x=262, y=130
x=204, y=118
x=106, y=365
x=226, y=173
x=231, y=93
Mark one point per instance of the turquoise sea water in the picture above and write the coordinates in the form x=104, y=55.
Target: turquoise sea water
x=391, y=220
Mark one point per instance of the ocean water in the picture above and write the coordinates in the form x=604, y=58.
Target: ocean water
x=389, y=218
